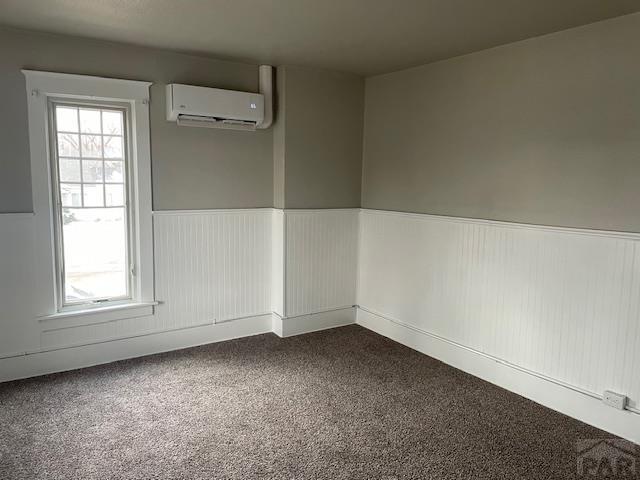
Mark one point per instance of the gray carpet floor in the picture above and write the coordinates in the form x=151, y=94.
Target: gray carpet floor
x=339, y=404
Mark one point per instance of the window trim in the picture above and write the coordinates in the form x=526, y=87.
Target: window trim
x=42, y=88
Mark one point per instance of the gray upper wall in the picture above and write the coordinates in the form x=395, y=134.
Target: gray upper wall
x=544, y=131
x=318, y=139
x=193, y=168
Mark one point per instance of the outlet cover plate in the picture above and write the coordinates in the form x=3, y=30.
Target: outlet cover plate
x=615, y=400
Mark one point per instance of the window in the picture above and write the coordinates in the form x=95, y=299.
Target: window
x=91, y=207
x=91, y=184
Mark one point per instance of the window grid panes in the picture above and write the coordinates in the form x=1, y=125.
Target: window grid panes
x=91, y=176
x=91, y=155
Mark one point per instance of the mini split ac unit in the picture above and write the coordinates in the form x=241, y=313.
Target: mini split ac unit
x=216, y=108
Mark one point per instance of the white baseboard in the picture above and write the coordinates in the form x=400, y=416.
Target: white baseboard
x=71, y=358
x=555, y=396
x=60, y=360
x=288, y=327
x=570, y=402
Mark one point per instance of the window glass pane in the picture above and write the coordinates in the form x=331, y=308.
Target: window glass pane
x=94, y=226
x=68, y=145
x=91, y=146
x=112, y=147
x=94, y=253
x=89, y=121
x=112, y=123
x=69, y=170
x=92, y=170
x=67, y=119
x=114, y=195
x=113, y=171
x=70, y=195
x=93, y=195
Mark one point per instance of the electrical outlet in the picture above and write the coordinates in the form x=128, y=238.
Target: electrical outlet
x=615, y=400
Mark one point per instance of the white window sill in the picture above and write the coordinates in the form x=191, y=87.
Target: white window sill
x=90, y=316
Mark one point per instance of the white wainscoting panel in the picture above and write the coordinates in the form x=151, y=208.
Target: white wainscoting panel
x=18, y=328
x=212, y=266
x=563, y=303
x=321, y=260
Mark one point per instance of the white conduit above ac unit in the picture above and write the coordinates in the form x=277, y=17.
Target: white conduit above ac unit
x=266, y=88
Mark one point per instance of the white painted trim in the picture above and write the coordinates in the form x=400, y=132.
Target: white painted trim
x=468, y=220
x=235, y=319
x=285, y=273
x=44, y=85
x=94, y=316
x=278, y=265
x=211, y=211
x=313, y=322
x=317, y=312
x=208, y=211
x=505, y=224
x=16, y=216
x=554, y=395
x=71, y=358
x=320, y=210
x=358, y=254
x=80, y=86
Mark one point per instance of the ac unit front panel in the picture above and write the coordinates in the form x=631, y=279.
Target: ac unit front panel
x=216, y=102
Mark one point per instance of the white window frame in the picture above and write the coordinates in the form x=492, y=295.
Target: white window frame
x=42, y=87
x=130, y=206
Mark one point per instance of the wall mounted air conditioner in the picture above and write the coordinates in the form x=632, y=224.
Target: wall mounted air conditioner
x=216, y=108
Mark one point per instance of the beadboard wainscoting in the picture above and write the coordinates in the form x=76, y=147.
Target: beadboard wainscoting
x=561, y=304
x=320, y=252
x=321, y=260
x=212, y=266
x=218, y=274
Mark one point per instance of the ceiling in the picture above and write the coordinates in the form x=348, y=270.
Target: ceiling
x=361, y=36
